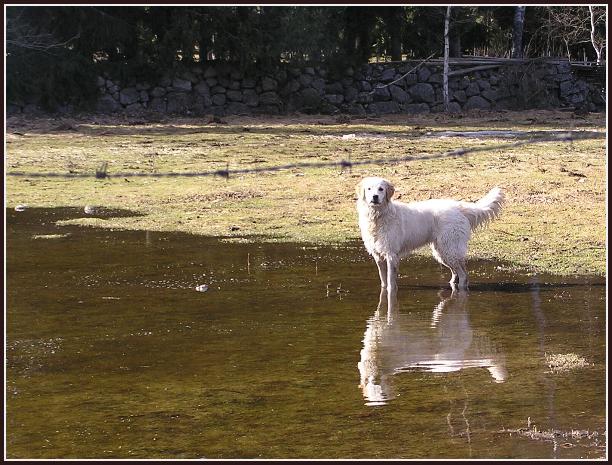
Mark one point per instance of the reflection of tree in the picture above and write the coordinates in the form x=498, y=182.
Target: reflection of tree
x=401, y=343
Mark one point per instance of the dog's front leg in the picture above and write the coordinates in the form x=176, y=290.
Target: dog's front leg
x=382, y=270
x=392, y=269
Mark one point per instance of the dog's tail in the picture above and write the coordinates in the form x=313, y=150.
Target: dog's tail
x=485, y=210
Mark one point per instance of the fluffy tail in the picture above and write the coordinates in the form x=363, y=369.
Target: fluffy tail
x=485, y=210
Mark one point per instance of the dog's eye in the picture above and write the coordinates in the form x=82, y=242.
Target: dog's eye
x=369, y=188
x=380, y=189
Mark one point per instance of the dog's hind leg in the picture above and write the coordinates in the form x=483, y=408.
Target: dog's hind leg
x=454, y=260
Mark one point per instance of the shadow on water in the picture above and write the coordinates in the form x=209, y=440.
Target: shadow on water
x=290, y=352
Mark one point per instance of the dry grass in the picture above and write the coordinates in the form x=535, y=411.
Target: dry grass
x=562, y=363
x=554, y=220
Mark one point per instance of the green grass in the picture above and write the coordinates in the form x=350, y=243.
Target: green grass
x=554, y=220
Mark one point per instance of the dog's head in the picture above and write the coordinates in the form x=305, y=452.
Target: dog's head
x=374, y=192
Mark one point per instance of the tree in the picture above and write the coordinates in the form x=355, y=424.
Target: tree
x=445, y=69
x=517, y=32
x=598, y=17
x=575, y=26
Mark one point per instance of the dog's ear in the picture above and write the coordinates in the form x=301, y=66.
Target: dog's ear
x=390, y=190
x=359, y=191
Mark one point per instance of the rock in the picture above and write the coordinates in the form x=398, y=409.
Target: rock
x=365, y=97
x=423, y=74
x=306, y=80
x=566, y=88
x=398, y=94
x=383, y=108
x=157, y=104
x=422, y=92
x=388, y=75
x=410, y=79
x=211, y=82
x=269, y=98
x=234, y=95
x=218, y=99
x=435, y=78
x=381, y=94
x=250, y=97
x=334, y=88
x=483, y=84
x=133, y=108
x=453, y=84
x=364, y=86
x=562, y=77
x=210, y=73
x=472, y=89
x=12, y=109
x=454, y=107
x=248, y=83
x=178, y=102
x=158, y=92
x=202, y=88
x=564, y=67
x=309, y=99
x=334, y=99
x=416, y=108
x=476, y=102
x=189, y=76
x=289, y=88
x=181, y=85
x=144, y=96
x=100, y=81
x=237, y=108
x=217, y=90
x=128, y=96
x=460, y=96
x=107, y=104
x=355, y=109
x=318, y=84
x=350, y=94
x=309, y=70
x=268, y=84
x=490, y=94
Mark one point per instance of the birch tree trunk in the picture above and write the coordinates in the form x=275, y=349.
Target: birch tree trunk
x=593, y=40
x=445, y=71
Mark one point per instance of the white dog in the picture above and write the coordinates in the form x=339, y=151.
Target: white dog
x=392, y=229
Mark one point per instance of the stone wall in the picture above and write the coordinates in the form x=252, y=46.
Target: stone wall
x=222, y=89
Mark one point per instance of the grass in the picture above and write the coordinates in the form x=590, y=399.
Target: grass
x=554, y=220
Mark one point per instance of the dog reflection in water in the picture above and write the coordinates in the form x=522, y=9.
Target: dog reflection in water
x=396, y=343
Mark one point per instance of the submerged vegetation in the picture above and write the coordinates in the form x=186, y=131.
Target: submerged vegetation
x=554, y=219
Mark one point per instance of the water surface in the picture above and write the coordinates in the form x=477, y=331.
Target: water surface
x=290, y=353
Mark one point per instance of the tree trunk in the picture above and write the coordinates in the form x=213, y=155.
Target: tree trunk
x=445, y=71
x=517, y=32
x=455, y=50
x=593, y=41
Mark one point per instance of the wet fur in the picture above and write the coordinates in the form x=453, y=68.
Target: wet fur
x=391, y=230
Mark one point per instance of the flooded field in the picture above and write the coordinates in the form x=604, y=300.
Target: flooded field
x=287, y=351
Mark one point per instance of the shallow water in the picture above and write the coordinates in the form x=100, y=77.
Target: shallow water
x=112, y=353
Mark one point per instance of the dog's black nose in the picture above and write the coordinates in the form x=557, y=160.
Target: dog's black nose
x=375, y=198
